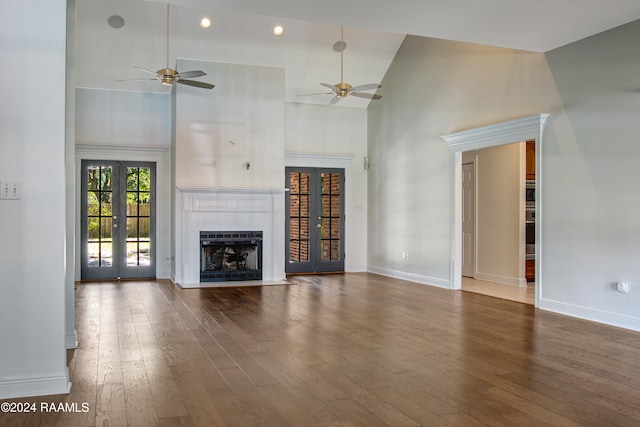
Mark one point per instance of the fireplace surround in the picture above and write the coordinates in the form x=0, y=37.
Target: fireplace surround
x=228, y=210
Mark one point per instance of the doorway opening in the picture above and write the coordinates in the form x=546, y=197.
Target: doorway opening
x=517, y=130
x=118, y=210
x=495, y=227
x=314, y=206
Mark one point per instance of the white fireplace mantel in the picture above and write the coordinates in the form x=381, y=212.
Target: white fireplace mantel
x=228, y=209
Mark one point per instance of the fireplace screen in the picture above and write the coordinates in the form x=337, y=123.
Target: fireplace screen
x=230, y=255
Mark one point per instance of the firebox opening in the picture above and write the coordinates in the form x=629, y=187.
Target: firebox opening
x=230, y=256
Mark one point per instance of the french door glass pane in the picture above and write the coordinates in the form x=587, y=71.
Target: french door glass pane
x=299, y=217
x=99, y=211
x=330, y=212
x=138, y=215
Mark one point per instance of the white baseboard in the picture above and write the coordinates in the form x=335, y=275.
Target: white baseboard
x=612, y=319
x=411, y=277
x=71, y=340
x=35, y=386
x=503, y=280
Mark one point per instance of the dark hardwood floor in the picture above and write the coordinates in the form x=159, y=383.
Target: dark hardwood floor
x=337, y=350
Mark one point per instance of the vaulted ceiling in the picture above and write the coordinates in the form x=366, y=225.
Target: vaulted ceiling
x=373, y=32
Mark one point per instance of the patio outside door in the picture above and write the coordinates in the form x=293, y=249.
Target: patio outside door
x=118, y=220
x=315, y=220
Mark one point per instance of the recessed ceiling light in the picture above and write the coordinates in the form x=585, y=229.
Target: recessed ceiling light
x=116, y=21
x=205, y=23
x=278, y=30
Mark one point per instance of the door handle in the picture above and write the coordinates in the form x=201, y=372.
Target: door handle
x=318, y=225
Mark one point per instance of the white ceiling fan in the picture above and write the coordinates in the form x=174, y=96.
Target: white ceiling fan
x=168, y=76
x=342, y=89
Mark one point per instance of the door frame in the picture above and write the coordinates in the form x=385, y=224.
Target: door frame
x=119, y=267
x=157, y=154
x=315, y=264
x=507, y=132
x=334, y=161
x=473, y=160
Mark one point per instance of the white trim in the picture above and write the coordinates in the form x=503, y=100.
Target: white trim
x=71, y=340
x=507, y=132
x=605, y=317
x=318, y=160
x=163, y=203
x=411, y=277
x=510, y=131
x=225, y=209
x=338, y=161
x=119, y=152
x=35, y=386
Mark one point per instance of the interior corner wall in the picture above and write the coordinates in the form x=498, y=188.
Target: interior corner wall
x=32, y=249
x=323, y=130
x=586, y=193
x=589, y=187
x=233, y=135
x=71, y=336
x=435, y=87
x=120, y=125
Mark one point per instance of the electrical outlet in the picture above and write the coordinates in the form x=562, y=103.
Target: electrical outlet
x=9, y=190
x=622, y=287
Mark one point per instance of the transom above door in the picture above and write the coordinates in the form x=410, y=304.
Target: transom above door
x=315, y=220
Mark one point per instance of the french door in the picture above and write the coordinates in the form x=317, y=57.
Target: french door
x=315, y=220
x=117, y=220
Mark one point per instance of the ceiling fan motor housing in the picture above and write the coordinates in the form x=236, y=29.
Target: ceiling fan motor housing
x=342, y=89
x=167, y=76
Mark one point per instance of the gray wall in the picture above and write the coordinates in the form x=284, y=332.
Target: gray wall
x=588, y=197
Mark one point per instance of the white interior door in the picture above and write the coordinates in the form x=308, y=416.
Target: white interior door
x=468, y=220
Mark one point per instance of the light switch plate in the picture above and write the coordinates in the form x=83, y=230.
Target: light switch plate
x=9, y=190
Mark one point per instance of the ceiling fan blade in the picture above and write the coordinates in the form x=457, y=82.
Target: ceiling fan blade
x=190, y=74
x=137, y=80
x=319, y=93
x=373, y=96
x=327, y=85
x=144, y=69
x=367, y=87
x=334, y=100
x=194, y=83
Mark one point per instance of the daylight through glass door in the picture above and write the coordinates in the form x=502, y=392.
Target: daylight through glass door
x=118, y=220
